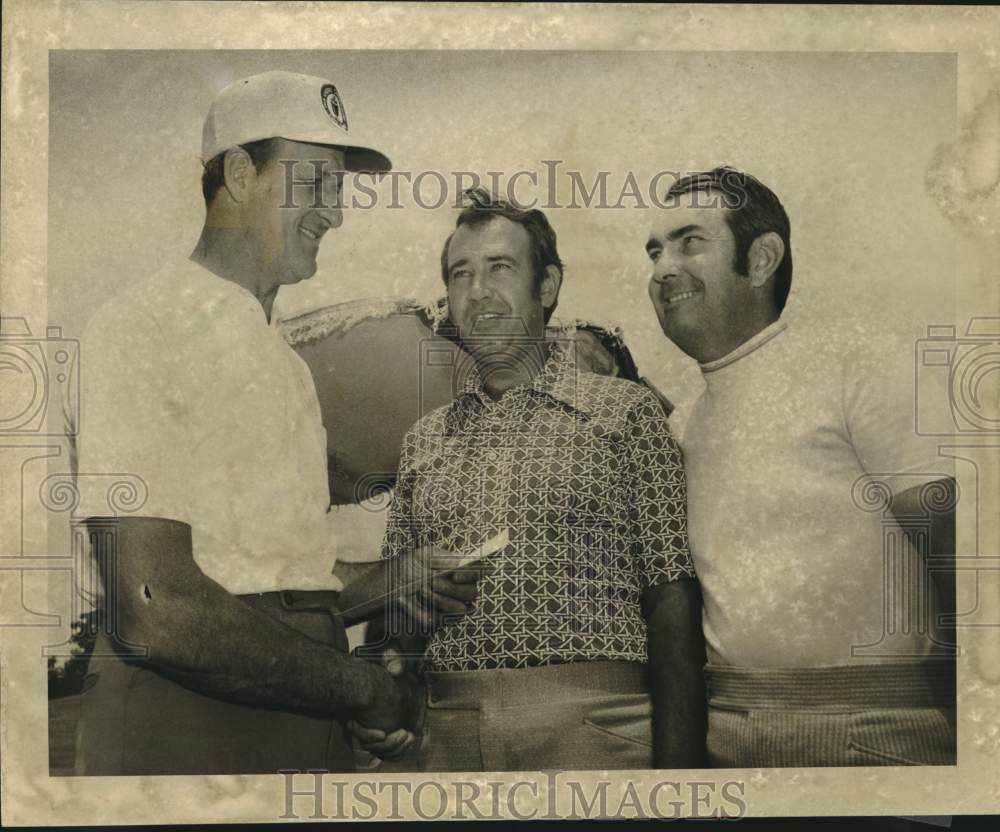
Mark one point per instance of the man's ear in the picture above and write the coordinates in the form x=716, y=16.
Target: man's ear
x=766, y=254
x=551, y=282
x=238, y=173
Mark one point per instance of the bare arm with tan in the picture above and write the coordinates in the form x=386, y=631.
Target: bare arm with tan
x=211, y=641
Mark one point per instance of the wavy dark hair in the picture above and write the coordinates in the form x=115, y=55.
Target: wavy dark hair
x=754, y=209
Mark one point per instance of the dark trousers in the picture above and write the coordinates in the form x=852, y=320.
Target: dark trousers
x=134, y=720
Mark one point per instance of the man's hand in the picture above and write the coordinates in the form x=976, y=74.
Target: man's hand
x=430, y=584
x=379, y=743
x=385, y=730
x=427, y=583
x=389, y=703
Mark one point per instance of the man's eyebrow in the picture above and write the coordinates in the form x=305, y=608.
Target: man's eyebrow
x=489, y=258
x=652, y=244
x=680, y=232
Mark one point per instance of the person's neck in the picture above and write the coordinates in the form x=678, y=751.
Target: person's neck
x=749, y=327
x=499, y=376
x=227, y=254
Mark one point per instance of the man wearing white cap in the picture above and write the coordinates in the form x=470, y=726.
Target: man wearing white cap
x=219, y=651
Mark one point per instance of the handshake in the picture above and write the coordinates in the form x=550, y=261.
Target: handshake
x=423, y=589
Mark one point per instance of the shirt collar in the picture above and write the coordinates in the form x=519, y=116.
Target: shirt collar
x=559, y=378
x=217, y=291
x=747, y=347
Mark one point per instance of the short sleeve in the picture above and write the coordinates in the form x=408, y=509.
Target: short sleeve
x=130, y=422
x=881, y=398
x=658, y=520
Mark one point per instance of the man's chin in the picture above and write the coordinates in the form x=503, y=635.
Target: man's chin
x=299, y=274
x=678, y=336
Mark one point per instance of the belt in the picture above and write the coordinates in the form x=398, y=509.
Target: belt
x=294, y=599
x=927, y=683
x=313, y=613
x=511, y=687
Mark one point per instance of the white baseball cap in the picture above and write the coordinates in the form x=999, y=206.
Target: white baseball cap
x=300, y=108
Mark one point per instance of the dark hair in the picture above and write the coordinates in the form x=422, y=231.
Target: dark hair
x=483, y=207
x=754, y=209
x=214, y=176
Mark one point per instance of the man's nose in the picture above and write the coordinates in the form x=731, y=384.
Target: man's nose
x=332, y=201
x=665, y=267
x=479, y=288
x=334, y=216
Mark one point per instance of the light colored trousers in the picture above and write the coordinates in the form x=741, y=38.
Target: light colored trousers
x=893, y=714
x=579, y=715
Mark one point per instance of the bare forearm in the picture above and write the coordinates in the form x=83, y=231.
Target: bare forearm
x=676, y=662
x=679, y=721
x=198, y=633
x=211, y=641
x=368, y=594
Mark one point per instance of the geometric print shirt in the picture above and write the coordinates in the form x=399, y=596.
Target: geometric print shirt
x=584, y=474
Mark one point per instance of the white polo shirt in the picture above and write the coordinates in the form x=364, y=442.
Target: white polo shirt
x=186, y=386
x=797, y=565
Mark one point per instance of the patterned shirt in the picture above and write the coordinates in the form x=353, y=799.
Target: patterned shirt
x=584, y=474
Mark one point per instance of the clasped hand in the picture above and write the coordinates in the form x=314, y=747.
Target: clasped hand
x=430, y=585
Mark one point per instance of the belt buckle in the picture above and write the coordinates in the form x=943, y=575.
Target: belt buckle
x=293, y=600
x=290, y=600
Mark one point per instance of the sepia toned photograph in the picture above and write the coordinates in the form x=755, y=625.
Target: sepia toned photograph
x=559, y=431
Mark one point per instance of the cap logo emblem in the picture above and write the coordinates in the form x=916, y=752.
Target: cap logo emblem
x=333, y=105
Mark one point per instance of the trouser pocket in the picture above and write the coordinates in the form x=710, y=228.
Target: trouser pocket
x=903, y=737
x=626, y=717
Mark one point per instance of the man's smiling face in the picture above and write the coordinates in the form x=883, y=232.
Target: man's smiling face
x=493, y=294
x=287, y=222
x=698, y=296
